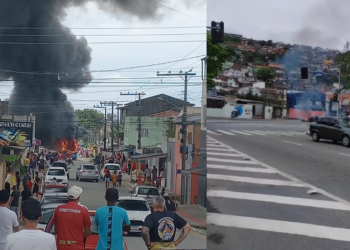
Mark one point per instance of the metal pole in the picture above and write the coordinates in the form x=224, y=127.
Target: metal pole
x=139, y=123
x=118, y=124
x=338, y=96
x=184, y=136
x=105, y=132
x=112, y=130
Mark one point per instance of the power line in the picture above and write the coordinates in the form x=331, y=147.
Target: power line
x=102, y=35
x=129, y=42
x=101, y=28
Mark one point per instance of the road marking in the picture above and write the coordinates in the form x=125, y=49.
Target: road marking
x=254, y=180
x=223, y=154
x=239, y=132
x=216, y=146
x=344, y=154
x=265, y=132
x=293, y=143
x=231, y=161
x=225, y=132
x=279, y=199
x=253, y=132
x=211, y=132
x=243, y=169
x=220, y=149
x=295, y=228
x=292, y=178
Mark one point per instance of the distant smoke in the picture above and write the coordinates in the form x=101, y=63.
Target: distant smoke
x=41, y=94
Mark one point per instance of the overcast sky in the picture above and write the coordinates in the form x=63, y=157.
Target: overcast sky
x=124, y=55
x=324, y=23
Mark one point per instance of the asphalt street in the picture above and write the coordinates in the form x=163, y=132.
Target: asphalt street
x=259, y=175
x=93, y=198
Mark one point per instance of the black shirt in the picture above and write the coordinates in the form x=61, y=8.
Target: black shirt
x=15, y=194
x=162, y=225
x=26, y=194
x=37, y=180
x=170, y=205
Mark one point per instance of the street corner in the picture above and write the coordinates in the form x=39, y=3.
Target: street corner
x=195, y=216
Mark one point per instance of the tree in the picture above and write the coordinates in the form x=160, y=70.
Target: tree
x=343, y=60
x=216, y=56
x=266, y=74
x=90, y=119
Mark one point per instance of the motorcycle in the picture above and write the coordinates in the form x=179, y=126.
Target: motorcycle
x=70, y=161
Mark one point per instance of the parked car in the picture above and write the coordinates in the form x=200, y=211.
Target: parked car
x=47, y=211
x=87, y=172
x=57, y=172
x=137, y=209
x=91, y=241
x=62, y=164
x=335, y=129
x=55, y=188
x=111, y=167
x=146, y=192
x=50, y=198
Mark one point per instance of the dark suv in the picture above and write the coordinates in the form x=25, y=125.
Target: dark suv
x=336, y=129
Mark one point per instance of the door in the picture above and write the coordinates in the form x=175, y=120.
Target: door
x=335, y=130
x=323, y=128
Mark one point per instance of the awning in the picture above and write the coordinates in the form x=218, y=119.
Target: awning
x=15, y=147
x=147, y=156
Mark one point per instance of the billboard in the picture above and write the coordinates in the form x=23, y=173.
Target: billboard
x=238, y=111
x=305, y=105
x=19, y=134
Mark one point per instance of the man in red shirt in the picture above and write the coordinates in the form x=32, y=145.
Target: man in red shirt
x=72, y=222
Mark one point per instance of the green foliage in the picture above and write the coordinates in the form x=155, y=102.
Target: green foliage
x=9, y=159
x=266, y=74
x=90, y=119
x=171, y=131
x=216, y=55
x=343, y=59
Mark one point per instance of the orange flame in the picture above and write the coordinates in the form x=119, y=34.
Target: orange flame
x=70, y=145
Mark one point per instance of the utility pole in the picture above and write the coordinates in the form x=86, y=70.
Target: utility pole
x=118, y=124
x=105, y=126
x=112, y=136
x=183, y=131
x=138, y=118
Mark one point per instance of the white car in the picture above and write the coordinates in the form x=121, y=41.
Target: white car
x=59, y=173
x=137, y=209
x=111, y=167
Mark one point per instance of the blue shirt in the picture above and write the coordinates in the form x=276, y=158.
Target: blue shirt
x=118, y=217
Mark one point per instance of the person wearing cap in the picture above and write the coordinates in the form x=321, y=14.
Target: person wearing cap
x=111, y=237
x=8, y=219
x=72, y=222
x=31, y=215
x=169, y=204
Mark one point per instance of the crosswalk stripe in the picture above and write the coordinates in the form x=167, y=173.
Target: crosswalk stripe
x=252, y=132
x=219, y=149
x=242, y=169
x=284, y=133
x=267, y=132
x=216, y=146
x=279, y=199
x=223, y=154
x=239, y=132
x=232, y=161
x=225, y=132
x=295, y=228
x=211, y=132
x=254, y=180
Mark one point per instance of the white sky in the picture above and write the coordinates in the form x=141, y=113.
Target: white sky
x=322, y=23
x=116, y=56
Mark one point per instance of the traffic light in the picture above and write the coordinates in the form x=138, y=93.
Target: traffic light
x=217, y=32
x=335, y=97
x=304, y=73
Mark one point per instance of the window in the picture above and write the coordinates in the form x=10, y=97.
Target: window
x=324, y=121
x=133, y=205
x=144, y=132
x=333, y=122
x=58, y=172
x=89, y=167
x=113, y=167
x=189, y=138
x=56, y=190
x=148, y=191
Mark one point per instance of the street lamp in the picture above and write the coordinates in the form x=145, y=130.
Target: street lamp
x=105, y=127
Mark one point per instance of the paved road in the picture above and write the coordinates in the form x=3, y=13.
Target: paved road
x=93, y=198
x=254, y=206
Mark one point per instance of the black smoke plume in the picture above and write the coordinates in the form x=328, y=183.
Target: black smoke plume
x=41, y=94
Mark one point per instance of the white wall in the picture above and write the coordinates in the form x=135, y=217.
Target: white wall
x=268, y=112
x=247, y=110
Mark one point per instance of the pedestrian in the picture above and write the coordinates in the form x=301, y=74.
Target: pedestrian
x=159, y=228
x=169, y=204
x=25, y=181
x=32, y=166
x=14, y=200
x=154, y=173
x=31, y=214
x=18, y=180
x=42, y=162
x=107, y=178
x=148, y=174
x=36, y=185
x=30, y=183
x=129, y=166
x=112, y=222
x=8, y=222
x=123, y=159
x=114, y=178
x=26, y=163
x=7, y=181
x=120, y=178
x=26, y=194
x=53, y=181
x=72, y=222
x=163, y=192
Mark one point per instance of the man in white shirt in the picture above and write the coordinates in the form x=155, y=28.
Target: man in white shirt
x=8, y=219
x=30, y=238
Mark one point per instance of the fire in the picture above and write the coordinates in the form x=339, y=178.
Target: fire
x=70, y=145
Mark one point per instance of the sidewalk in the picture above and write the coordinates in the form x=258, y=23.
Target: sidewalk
x=195, y=215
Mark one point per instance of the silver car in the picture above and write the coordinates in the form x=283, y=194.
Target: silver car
x=87, y=172
x=146, y=192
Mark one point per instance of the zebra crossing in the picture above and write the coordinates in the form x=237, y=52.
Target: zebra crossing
x=250, y=200
x=255, y=133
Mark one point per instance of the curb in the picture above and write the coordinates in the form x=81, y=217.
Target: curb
x=198, y=231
